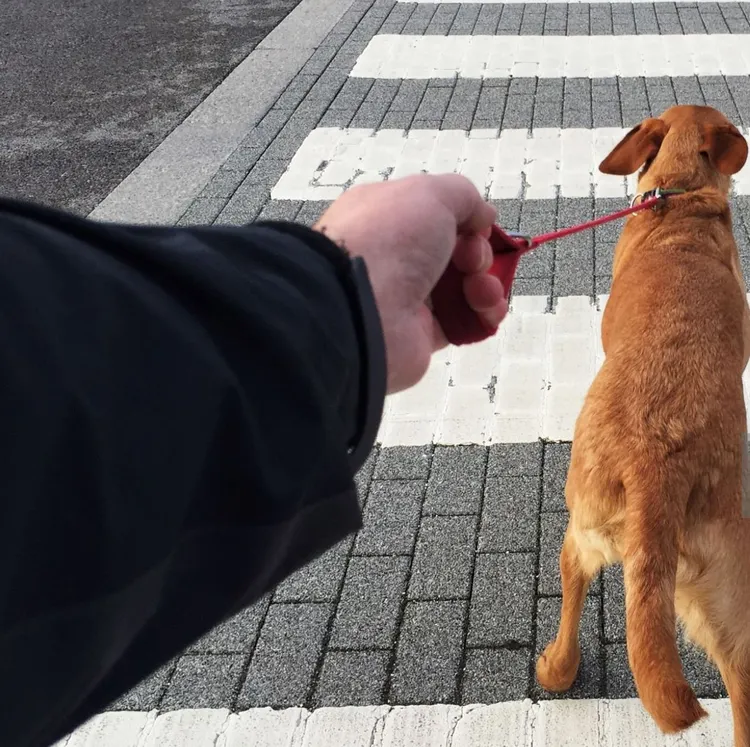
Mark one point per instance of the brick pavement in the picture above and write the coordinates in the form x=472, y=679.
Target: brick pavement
x=445, y=596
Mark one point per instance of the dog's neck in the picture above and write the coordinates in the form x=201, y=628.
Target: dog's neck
x=706, y=201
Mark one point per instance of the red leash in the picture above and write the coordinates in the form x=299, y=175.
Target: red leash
x=459, y=322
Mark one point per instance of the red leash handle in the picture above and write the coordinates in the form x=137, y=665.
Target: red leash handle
x=459, y=321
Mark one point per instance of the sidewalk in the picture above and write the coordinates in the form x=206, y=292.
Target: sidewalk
x=452, y=588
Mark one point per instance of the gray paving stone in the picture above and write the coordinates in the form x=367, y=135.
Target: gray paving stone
x=519, y=111
x=397, y=120
x=351, y=96
x=605, y=113
x=285, y=210
x=489, y=16
x=607, y=233
x=547, y=114
x=419, y=19
x=508, y=213
x=601, y=20
x=352, y=678
x=244, y=158
x=404, y=463
x=311, y=211
x=556, y=463
x=203, y=681
x=502, y=600
x=623, y=22
x=537, y=216
x=700, y=672
x=443, y=558
x=428, y=655
x=688, y=91
x=284, y=147
x=266, y=130
x=409, y=96
x=318, y=581
x=434, y=103
x=614, y=604
x=532, y=286
x=443, y=19
x=202, y=211
x=296, y=91
x=457, y=120
x=574, y=269
x=514, y=459
x=510, y=514
x=245, y=205
x=265, y=174
x=590, y=680
x=369, y=116
x=456, y=480
x=491, y=104
x=465, y=97
x=495, y=675
x=237, y=635
x=620, y=682
x=223, y=185
x=691, y=21
x=370, y=604
x=282, y=667
x=465, y=20
x=603, y=259
x=391, y=518
x=147, y=694
x=318, y=61
x=363, y=478
x=603, y=283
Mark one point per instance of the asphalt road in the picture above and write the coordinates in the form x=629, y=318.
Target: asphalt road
x=88, y=88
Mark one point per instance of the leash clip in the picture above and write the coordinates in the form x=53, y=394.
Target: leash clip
x=660, y=194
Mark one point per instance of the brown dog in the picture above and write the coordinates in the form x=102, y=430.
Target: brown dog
x=655, y=478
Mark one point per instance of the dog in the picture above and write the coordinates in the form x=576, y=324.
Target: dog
x=656, y=471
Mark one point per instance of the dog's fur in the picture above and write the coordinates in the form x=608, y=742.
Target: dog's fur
x=655, y=477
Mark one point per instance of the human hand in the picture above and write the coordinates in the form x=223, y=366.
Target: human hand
x=407, y=230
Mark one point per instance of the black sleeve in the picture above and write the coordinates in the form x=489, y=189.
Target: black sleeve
x=182, y=414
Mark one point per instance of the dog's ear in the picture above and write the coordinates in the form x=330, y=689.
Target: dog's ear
x=637, y=147
x=725, y=147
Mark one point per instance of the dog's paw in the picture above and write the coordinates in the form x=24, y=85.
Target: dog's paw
x=556, y=669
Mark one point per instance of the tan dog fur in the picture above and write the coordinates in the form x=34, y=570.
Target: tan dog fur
x=655, y=478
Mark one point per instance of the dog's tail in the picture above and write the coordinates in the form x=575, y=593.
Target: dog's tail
x=656, y=504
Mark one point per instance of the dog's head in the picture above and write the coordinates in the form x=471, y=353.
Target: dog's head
x=688, y=147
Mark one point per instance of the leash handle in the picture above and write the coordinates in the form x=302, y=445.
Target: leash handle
x=457, y=319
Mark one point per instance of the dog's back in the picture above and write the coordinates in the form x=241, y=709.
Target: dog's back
x=656, y=468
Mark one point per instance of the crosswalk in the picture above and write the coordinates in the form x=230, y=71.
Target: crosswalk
x=424, y=628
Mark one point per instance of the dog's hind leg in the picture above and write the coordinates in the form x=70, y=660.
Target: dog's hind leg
x=557, y=667
x=737, y=681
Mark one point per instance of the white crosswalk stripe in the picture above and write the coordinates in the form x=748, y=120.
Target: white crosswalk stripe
x=526, y=383
x=503, y=165
x=582, y=723
x=399, y=56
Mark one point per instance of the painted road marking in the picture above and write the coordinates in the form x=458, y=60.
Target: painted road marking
x=503, y=165
x=583, y=723
x=526, y=383
x=402, y=56
x=548, y=2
